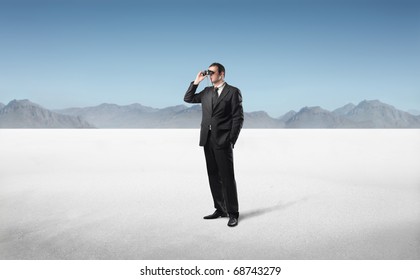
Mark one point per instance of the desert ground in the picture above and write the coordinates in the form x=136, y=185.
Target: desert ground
x=304, y=194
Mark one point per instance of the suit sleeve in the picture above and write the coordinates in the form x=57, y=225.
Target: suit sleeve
x=190, y=96
x=237, y=116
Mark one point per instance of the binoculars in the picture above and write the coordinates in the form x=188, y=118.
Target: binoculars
x=206, y=72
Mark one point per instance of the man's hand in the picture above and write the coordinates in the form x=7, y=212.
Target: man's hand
x=199, y=78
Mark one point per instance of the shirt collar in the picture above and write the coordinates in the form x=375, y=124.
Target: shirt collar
x=221, y=87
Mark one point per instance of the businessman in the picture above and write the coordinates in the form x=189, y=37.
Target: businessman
x=220, y=126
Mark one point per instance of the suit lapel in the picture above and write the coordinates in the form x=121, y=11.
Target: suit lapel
x=208, y=103
x=225, y=91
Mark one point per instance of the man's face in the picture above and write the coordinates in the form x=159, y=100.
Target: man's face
x=216, y=76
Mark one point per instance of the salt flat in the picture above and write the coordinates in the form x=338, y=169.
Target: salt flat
x=141, y=194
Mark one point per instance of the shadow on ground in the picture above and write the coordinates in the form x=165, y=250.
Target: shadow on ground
x=278, y=207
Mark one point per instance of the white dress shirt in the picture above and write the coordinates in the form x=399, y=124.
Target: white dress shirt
x=220, y=88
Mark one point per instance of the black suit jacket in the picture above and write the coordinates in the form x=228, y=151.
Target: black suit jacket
x=226, y=117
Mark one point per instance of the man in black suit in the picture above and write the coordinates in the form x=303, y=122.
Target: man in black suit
x=220, y=126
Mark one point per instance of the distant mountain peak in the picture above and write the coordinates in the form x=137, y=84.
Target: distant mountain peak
x=288, y=116
x=344, y=109
x=375, y=114
x=26, y=114
x=314, y=117
x=374, y=104
x=373, y=101
x=259, y=114
x=19, y=104
x=22, y=102
x=312, y=109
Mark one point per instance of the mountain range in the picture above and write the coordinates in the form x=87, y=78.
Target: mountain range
x=367, y=114
x=25, y=114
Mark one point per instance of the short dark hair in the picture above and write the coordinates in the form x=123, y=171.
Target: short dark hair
x=219, y=66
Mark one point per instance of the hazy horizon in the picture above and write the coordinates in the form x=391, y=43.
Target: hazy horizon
x=412, y=111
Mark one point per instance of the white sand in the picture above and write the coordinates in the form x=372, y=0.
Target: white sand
x=141, y=194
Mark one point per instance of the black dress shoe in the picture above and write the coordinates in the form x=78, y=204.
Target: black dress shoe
x=215, y=215
x=233, y=222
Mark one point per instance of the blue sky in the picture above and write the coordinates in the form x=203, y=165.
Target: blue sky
x=283, y=55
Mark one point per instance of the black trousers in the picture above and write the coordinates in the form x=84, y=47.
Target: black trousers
x=221, y=178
